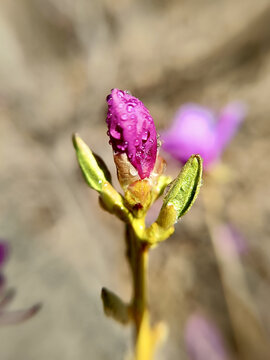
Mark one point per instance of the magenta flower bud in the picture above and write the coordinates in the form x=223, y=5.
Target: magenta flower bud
x=198, y=130
x=132, y=131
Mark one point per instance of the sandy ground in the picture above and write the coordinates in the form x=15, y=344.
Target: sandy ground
x=58, y=61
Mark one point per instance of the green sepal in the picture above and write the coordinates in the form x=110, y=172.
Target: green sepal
x=162, y=182
x=182, y=192
x=138, y=197
x=114, y=307
x=113, y=202
x=93, y=168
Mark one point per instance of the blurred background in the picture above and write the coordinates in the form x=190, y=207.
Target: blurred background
x=58, y=61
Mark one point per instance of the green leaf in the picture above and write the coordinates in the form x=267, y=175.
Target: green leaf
x=94, y=169
x=114, y=307
x=103, y=167
x=184, y=189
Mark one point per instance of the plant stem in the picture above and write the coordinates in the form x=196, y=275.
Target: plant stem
x=140, y=285
x=137, y=253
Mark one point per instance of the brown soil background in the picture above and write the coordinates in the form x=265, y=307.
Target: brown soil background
x=58, y=61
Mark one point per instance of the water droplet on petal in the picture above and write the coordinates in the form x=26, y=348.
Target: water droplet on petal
x=120, y=105
x=130, y=108
x=133, y=117
x=115, y=134
x=139, y=154
x=120, y=93
x=149, y=120
x=121, y=147
x=137, y=142
x=124, y=117
x=129, y=127
x=145, y=135
x=109, y=98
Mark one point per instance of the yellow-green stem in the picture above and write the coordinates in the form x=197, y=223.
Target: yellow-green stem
x=137, y=253
x=140, y=285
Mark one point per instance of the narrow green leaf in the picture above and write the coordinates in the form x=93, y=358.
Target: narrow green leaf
x=114, y=307
x=185, y=188
x=103, y=167
x=94, y=169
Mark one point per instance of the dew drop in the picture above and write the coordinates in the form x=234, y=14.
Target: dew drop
x=115, y=134
x=137, y=142
x=151, y=141
x=139, y=154
x=109, y=98
x=145, y=135
x=121, y=147
x=130, y=108
x=133, y=117
x=129, y=127
x=124, y=117
x=120, y=105
x=120, y=93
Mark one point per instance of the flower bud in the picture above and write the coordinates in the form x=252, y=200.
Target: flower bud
x=132, y=135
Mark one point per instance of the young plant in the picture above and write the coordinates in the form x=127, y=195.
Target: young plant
x=140, y=169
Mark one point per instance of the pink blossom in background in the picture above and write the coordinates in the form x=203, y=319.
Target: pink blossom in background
x=203, y=339
x=231, y=243
x=132, y=131
x=198, y=130
x=7, y=295
x=4, y=250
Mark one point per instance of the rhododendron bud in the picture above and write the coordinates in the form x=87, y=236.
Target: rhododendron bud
x=132, y=133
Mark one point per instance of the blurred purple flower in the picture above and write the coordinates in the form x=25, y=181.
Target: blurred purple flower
x=6, y=295
x=197, y=130
x=132, y=131
x=230, y=241
x=203, y=340
x=3, y=253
